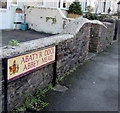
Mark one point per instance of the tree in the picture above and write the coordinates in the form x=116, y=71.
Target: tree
x=75, y=8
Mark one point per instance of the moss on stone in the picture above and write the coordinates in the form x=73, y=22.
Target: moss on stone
x=51, y=18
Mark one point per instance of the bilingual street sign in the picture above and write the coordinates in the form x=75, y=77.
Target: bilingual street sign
x=22, y=64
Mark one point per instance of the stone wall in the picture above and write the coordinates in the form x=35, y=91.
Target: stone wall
x=101, y=36
x=19, y=89
x=72, y=50
x=118, y=29
x=70, y=53
x=116, y=22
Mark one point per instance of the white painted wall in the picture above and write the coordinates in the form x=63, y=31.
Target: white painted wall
x=37, y=17
x=7, y=16
x=112, y=4
x=99, y=4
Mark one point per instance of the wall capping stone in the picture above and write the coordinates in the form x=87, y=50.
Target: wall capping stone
x=75, y=25
x=32, y=45
x=71, y=29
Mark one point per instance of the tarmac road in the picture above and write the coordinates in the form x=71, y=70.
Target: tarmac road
x=92, y=87
x=21, y=36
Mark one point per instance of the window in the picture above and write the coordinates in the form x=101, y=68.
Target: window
x=3, y=4
x=14, y=2
x=104, y=5
x=66, y=4
x=40, y=2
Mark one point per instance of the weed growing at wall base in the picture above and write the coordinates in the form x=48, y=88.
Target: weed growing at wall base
x=13, y=43
x=34, y=102
x=61, y=78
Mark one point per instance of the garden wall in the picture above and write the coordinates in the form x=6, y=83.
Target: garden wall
x=116, y=22
x=72, y=50
x=101, y=36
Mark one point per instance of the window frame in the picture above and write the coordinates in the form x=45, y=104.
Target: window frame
x=41, y=5
x=62, y=2
x=4, y=9
x=14, y=4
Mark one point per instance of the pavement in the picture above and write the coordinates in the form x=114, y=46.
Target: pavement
x=21, y=36
x=92, y=87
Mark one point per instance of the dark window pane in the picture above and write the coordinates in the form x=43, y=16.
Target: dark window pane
x=3, y=4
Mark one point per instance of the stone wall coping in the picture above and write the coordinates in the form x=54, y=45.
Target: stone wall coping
x=98, y=22
x=76, y=24
x=71, y=29
x=108, y=23
x=23, y=47
x=110, y=20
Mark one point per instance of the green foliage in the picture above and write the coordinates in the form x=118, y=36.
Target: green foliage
x=75, y=8
x=118, y=13
x=61, y=78
x=91, y=16
x=90, y=9
x=13, y=43
x=34, y=101
x=54, y=44
x=108, y=38
x=101, y=17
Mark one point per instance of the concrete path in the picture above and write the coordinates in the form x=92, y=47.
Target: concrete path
x=92, y=87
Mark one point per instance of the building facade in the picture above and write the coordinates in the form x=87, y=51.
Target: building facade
x=8, y=8
x=7, y=12
x=105, y=6
x=118, y=6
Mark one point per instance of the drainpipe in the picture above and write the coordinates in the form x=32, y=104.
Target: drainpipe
x=59, y=4
x=110, y=5
x=86, y=5
x=104, y=7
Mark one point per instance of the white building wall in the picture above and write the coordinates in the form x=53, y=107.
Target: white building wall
x=112, y=4
x=7, y=16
